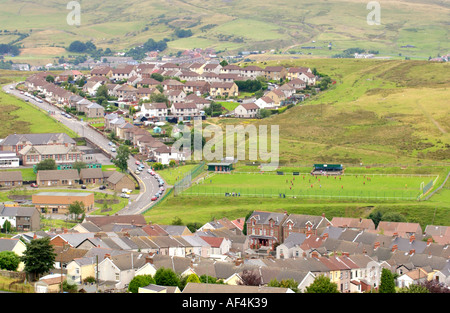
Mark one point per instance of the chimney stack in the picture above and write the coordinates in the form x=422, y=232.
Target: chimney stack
x=394, y=248
x=325, y=236
x=429, y=241
x=412, y=238
x=376, y=245
x=412, y=251
x=315, y=255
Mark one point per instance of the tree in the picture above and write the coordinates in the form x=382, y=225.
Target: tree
x=376, y=217
x=121, y=160
x=78, y=165
x=77, y=208
x=67, y=287
x=102, y=91
x=39, y=257
x=223, y=63
x=172, y=163
x=140, y=281
x=158, y=166
x=285, y=283
x=47, y=164
x=322, y=284
x=177, y=221
x=250, y=278
x=50, y=79
x=166, y=277
x=413, y=288
x=9, y=261
x=193, y=278
x=393, y=217
x=387, y=283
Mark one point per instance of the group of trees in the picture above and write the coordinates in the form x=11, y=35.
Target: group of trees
x=167, y=277
x=138, y=53
x=6, y=48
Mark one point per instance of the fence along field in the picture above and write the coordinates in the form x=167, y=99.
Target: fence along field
x=304, y=185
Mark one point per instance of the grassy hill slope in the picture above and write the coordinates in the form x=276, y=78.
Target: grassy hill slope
x=233, y=25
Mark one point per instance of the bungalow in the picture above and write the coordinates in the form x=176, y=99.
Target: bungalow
x=118, y=181
x=246, y=110
x=92, y=176
x=59, y=202
x=11, y=179
x=57, y=177
x=223, y=90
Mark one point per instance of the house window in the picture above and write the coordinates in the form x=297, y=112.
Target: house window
x=117, y=276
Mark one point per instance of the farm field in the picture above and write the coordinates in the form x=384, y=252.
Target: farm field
x=232, y=26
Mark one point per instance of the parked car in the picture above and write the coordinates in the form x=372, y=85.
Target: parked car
x=137, y=172
x=113, y=149
x=127, y=191
x=137, y=162
x=102, y=187
x=154, y=198
x=124, y=195
x=83, y=186
x=34, y=185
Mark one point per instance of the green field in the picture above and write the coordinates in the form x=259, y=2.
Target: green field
x=17, y=116
x=362, y=186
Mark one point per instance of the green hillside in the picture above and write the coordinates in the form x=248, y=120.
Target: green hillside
x=231, y=26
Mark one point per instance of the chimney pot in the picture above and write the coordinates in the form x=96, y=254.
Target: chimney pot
x=412, y=238
x=394, y=247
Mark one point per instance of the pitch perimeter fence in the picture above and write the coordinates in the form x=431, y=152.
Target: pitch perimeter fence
x=186, y=181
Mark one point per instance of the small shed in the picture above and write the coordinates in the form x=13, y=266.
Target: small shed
x=220, y=167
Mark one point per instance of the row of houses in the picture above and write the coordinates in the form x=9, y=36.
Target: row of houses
x=351, y=257
x=92, y=176
x=61, y=97
x=267, y=230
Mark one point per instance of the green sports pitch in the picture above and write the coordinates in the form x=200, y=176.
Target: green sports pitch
x=288, y=185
